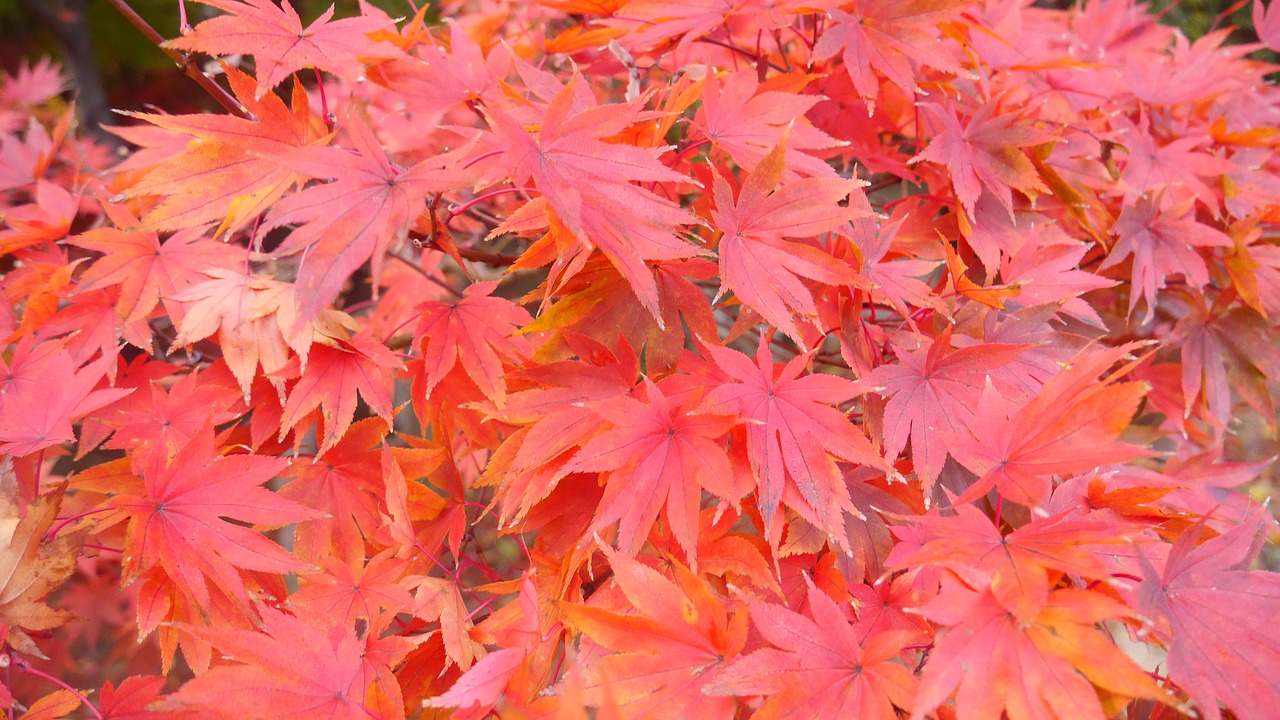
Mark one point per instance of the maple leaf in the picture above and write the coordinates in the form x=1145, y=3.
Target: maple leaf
x=756, y=263
x=54, y=706
x=335, y=372
x=587, y=183
x=475, y=332
x=353, y=219
x=931, y=392
x=1150, y=169
x=292, y=669
x=253, y=316
x=171, y=419
x=1266, y=22
x=794, y=436
x=90, y=323
x=1044, y=667
x=273, y=34
x=516, y=629
x=1071, y=426
x=133, y=699
x=226, y=173
x=669, y=651
x=482, y=684
x=1214, y=616
x=818, y=667
x=1163, y=242
x=178, y=524
x=597, y=302
x=148, y=270
x=32, y=83
x=442, y=75
x=983, y=152
x=1050, y=274
x=659, y=456
x=345, y=594
x=660, y=21
x=42, y=390
x=893, y=281
x=48, y=219
x=556, y=419
x=747, y=120
x=1015, y=566
x=31, y=567
x=344, y=483
x=887, y=36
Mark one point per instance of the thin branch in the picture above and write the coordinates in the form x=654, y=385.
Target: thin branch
x=479, y=256
x=224, y=98
x=26, y=667
x=416, y=268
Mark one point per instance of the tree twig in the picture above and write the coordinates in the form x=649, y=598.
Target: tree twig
x=224, y=98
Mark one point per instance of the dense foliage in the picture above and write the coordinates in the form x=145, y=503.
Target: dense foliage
x=638, y=358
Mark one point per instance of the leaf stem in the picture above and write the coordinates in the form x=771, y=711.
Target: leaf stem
x=329, y=119
x=744, y=53
x=689, y=151
x=456, y=210
x=53, y=532
x=482, y=156
x=26, y=667
x=488, y=258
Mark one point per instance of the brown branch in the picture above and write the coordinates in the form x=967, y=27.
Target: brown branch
x=224, y=98
x=432, y=278
x=426, y=241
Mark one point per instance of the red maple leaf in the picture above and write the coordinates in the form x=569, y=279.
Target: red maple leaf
x=346, y=594
x=587, y=183
x=1071, y=426
x=555, y=418
x=475, y=333
x=42, y=390
x=888, y=36
x=932, y=392
x=1016, y=566
x=658, y=456
x=1215, y=617
x=355, y=218
x=170, y=419
x=818, y=666
x=668, y=650
x=253, y=316
x=148, y=270
x=747, y=120
x=344, y=483
x=294, y=668
x=983, y=151
x=1266, y=21
x=1163, y=242
x=134, y=699
x=757, y=263
x=226, y=171
x=273, y=34
x=48, y=219
x=794, y=436
x=180, y=522
x=1043, y=667
x=335, y=372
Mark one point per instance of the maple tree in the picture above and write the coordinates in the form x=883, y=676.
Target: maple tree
x=633, y=359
